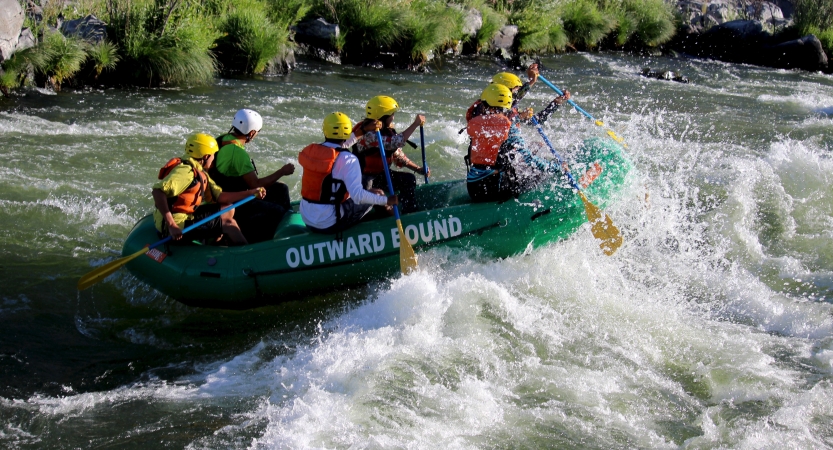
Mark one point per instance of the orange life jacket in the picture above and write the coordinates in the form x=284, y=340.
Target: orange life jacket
x=474, y=110
x=188, y=200
x=488, y=132
x=317, y=182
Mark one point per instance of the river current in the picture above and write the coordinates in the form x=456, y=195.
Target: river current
x=712, y=327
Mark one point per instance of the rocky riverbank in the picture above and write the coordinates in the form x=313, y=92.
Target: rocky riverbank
x=746, y=32
x=176, y=43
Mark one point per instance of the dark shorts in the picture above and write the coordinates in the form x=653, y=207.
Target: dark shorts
x=208, y=231
x=258, y=219
x=495, y=187
x=352, y=214
x=404, y=184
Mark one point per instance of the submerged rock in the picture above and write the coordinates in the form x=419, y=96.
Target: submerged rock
x=664, y=75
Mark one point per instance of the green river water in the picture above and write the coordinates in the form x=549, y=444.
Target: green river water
x=711, y=327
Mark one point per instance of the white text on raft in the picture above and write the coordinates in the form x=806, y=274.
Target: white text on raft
x=373, y=242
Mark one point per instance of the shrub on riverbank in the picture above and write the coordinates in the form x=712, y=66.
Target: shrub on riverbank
x=546, y=26
x=250, y=40
x=186, y=42
x=162, y=42
x=815, y=17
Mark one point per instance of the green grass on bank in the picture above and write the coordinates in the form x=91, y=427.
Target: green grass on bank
x=187, y=42
x=815, y=17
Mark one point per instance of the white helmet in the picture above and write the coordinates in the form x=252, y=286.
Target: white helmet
x=247, y=120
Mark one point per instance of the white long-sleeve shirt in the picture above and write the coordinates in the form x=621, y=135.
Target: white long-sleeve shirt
x=346, y=169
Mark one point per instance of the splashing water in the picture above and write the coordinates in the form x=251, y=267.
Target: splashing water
x=710, y=328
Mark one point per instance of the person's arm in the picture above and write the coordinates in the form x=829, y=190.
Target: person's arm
x=231, y=197
x=347, y=169
x=518, y=145
x=418, y=121
x=253, y=181
x=401, y=160
x=160, y=200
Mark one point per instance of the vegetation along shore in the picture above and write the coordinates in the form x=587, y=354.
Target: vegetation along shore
x=56, y=43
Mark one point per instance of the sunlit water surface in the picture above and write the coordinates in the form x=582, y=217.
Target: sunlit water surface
x=710, y=328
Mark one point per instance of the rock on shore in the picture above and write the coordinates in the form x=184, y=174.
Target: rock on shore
x=742, y=32
x=11, y=22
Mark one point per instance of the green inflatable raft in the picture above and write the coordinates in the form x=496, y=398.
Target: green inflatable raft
x=298, y=261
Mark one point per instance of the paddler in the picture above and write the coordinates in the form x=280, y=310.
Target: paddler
x=500, y=166
x=333, y=196
x=182, y=188
x=519, y=91
x=380, y=112
x=234, y=170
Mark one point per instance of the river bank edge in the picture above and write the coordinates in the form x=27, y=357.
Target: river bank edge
x=761, y=33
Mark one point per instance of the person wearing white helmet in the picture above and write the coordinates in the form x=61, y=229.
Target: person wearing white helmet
x=234, y=170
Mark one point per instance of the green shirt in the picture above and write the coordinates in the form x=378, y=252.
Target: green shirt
x=232, y=160
x=175, y=183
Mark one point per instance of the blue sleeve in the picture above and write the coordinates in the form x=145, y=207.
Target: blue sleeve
x=516, y=141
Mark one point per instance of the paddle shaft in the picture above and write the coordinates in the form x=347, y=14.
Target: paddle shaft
x=407, y=257
x=102, y=272
x=424, y=161
x=387, y=171
x=204, y=221
x=601, y=225
x=571, y=102
x=557, y=156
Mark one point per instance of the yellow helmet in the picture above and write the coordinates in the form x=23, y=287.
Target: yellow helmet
x=507, y=79
x=497, y=95
x=200, y=144
x=381, y=106
x=337, y=126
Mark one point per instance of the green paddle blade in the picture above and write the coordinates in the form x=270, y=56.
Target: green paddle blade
x=104, y=271
x=407, y=258
x=602, y=227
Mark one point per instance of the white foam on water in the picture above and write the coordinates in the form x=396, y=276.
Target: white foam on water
x=706, y=329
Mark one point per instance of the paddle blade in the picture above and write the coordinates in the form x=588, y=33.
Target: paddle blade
x=407, y=257
x=104, y=271
x=600, y=123
x=602, y=227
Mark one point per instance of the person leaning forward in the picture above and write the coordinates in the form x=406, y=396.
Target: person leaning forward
x=380, y=112
x=333, y=197
x=519, y=91
x=235, y=171
x=500, y=165
x=182, y=188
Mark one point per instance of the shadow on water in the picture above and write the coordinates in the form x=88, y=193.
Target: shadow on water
x=58, y=341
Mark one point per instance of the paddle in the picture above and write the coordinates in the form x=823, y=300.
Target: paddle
x=407, y=257
x=600, y=224
x=104, y=271
x=424, y=161
x=579, y=109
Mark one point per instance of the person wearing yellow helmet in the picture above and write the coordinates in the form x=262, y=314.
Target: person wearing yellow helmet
x=333, y=197
x=379, y=115
x=519, y=90
x=234, y=170
x=182, y=188
x=499, y=164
